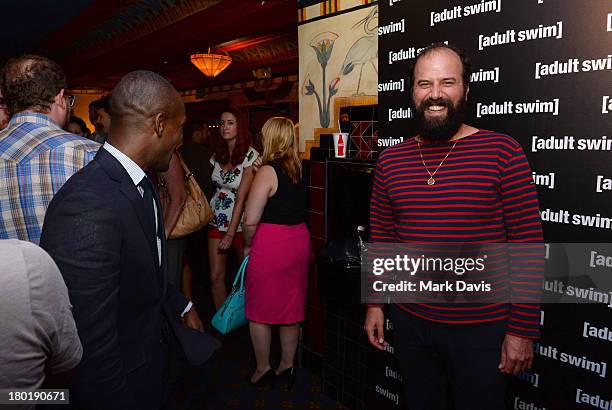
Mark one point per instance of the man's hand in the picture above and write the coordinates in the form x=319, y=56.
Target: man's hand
x=192, y=320
x=516, y=355
x=374, y=327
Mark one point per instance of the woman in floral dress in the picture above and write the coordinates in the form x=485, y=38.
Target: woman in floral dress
x=232, y=176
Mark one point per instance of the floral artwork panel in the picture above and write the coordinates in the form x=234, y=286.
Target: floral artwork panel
x=338, y=58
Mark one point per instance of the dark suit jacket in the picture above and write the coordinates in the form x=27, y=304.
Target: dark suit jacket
x=97, y=232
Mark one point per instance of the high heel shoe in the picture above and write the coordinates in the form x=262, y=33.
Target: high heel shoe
x=268, y=377
x=289, y=376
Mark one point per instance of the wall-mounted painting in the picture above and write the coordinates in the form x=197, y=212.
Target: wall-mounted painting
x=338, y=58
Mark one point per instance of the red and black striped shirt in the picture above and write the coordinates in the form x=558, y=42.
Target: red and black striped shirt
x=484, y=193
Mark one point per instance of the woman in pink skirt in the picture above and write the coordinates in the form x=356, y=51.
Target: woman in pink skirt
x=278, y=243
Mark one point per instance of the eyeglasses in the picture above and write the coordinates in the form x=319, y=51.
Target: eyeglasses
x=71, y=99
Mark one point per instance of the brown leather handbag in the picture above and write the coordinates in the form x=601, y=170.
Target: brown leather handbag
x=196, y=212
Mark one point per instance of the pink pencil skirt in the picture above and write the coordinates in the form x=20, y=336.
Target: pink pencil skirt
x=276, y=284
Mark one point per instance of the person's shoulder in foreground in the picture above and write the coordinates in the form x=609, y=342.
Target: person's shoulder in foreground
x=38, y=334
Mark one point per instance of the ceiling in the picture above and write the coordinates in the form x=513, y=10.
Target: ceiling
x=98, y=41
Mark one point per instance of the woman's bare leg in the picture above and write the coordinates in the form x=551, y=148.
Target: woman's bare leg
x=218, y=264
x=289, y=337
x=261, y=336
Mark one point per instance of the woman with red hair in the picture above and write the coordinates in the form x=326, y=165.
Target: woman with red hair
x=232, y=176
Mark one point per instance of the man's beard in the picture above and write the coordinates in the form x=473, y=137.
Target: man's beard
x=440, y=129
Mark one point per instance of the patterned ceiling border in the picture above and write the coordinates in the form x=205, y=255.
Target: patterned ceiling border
x=327, y=8
x=279, y=50
x=192, y=95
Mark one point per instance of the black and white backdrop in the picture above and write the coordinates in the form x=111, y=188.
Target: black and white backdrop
x=542, y=74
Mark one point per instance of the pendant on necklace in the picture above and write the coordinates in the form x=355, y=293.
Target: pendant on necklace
x=431, y=181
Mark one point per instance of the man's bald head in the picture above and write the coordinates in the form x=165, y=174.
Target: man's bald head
x=142, y=94
x=147, y=117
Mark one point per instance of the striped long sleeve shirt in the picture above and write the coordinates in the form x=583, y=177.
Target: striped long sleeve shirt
x=36, y=158
x=483, y=193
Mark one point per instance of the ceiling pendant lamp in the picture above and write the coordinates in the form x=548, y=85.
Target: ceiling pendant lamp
x=211, y=64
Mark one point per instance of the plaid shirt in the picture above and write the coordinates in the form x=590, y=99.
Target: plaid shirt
x=36, y=158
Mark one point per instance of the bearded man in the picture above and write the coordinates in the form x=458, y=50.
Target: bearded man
x=454, y=183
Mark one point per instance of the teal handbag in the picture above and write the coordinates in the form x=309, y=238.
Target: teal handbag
x=230, y=315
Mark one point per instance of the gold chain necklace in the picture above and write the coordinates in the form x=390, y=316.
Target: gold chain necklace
x=431, y=179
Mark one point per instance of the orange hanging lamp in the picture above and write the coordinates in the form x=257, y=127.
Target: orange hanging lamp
x=211, y=64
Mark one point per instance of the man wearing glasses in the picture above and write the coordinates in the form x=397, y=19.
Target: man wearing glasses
x=36, y=155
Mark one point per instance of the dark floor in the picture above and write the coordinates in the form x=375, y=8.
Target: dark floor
x=222, y=382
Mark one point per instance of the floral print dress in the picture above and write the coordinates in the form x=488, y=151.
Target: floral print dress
x=226, y=185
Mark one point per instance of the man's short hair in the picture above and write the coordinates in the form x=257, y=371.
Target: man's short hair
x=31, y=81
x=465, y=62
x=102, y=103
x=142, y=93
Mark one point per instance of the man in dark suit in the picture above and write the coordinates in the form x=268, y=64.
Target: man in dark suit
x=104, y=229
